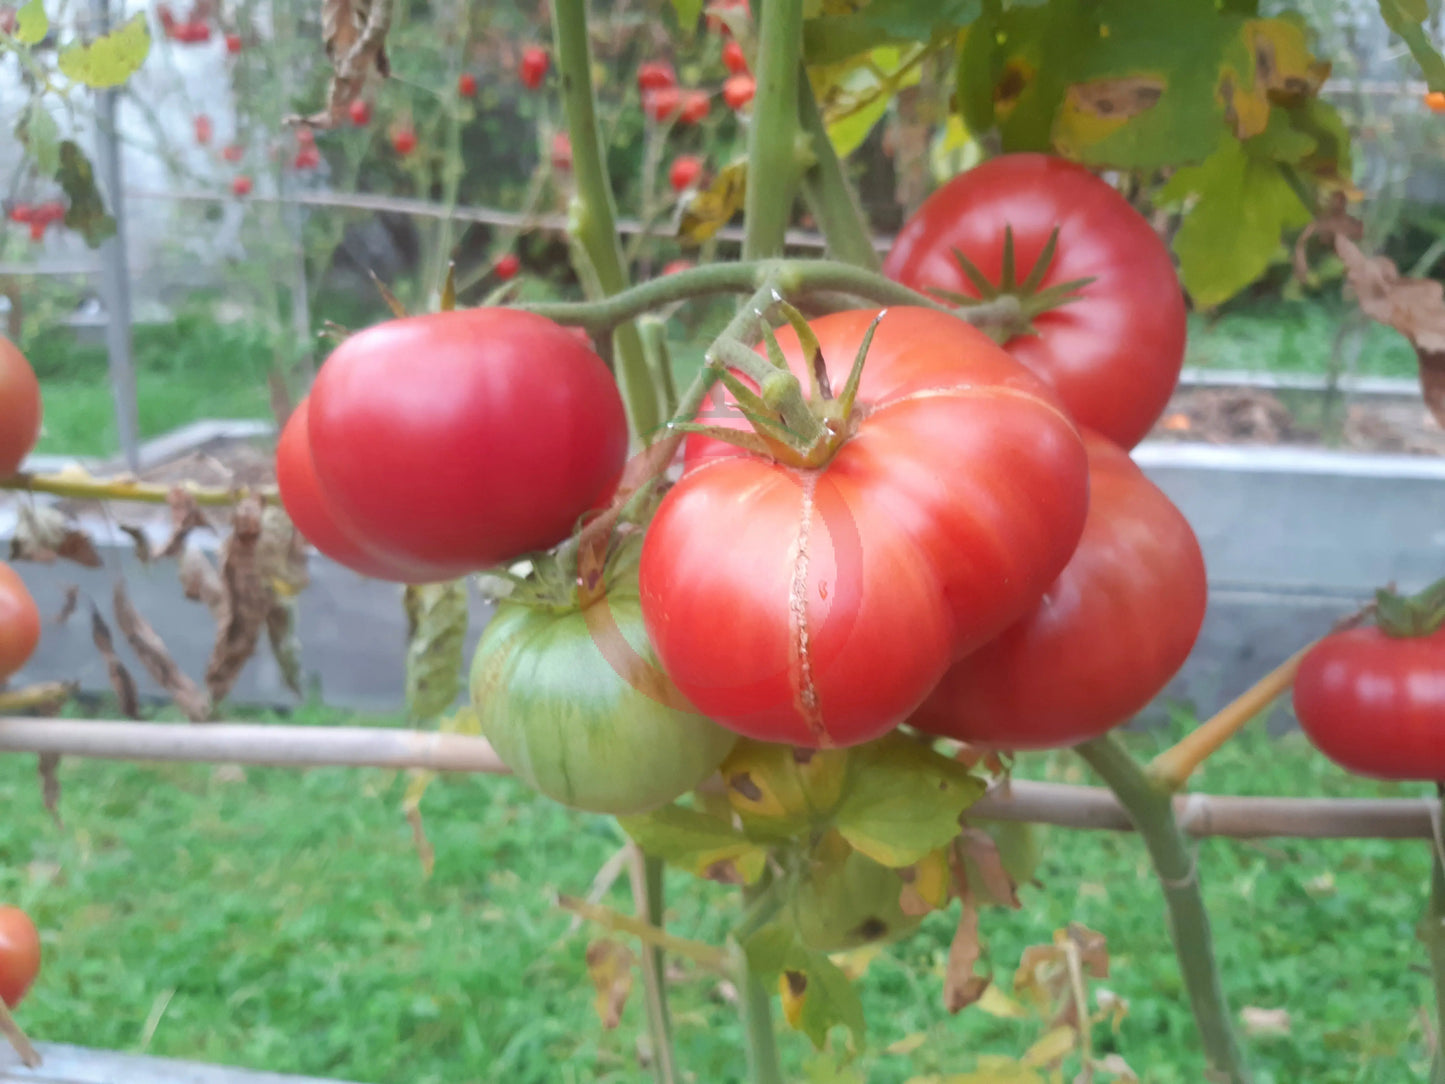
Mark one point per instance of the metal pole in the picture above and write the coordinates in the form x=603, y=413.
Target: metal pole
x=115, y=275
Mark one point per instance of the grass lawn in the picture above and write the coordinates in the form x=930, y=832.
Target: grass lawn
x=195, y=368
x=281, y=921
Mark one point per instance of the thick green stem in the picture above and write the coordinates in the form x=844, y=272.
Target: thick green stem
x=825, y=186
x=659, y=362
x=794, y=279
x=647, y=885
x=1434, y=936
x=756, y=1004
x=772, y=142
x=1151, y=809
x=594, y=212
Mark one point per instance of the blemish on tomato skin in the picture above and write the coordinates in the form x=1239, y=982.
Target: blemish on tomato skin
x=823, y=590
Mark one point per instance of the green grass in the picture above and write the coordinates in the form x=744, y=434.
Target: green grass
x=1292, y=337
x=281, y=921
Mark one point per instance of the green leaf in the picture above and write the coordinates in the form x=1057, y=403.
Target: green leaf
x=1281, y=141
x=979, y=68
x=31, y=24
x=919, y=20
x=1043, y=46
x=111, y=59
x=86, y=213
x=903, y=800
x=1141, y=91
x=704, y=845
x=436, y=617
x=39, y=135
x=817, y=995
x=1405, y=17
x=1244, y=206
x=688, y=12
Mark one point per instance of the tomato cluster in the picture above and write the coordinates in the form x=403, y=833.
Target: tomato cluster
x=20, y=415
x=438, y=445
x=38, y=216
x=19, y=955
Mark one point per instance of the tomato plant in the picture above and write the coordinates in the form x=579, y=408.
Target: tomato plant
x=204, y=129
x=233, y=153
x=957, y=492
x=1110, y=632
x=574, y=702
x=234, y=44
x=1115, y=350
x=20, y=409
x=533, y=68
x=734, y=59
x=693, y=107
x=460, y=439
x=738, y=91
x=466, y=86
x=660, y=104
x=655, y=75
x=1375, y=703
x=1435, y=101
x=685, y=171
x=403, y=140
x=19, y=623
x=241, y=186
x=19, y=955
x=845, y=905
x=360, y=112
x=507, y=266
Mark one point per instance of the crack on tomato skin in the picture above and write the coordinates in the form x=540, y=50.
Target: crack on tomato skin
x=805, y=693
x=981, y=391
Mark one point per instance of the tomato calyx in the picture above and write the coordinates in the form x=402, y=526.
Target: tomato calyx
x=1407, y=617
x=802, y=430
x=1033, y=297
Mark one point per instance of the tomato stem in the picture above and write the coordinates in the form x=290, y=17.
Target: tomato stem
x=1151, y=809
x=762, y=901
x=29, y=1056
x=647, y=892
x=82, y=487
x=826, y=189
x=772, y=159
x=1416, y=615
x=594, y=213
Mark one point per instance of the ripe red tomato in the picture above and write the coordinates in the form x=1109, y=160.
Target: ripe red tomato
x=1375, y=703
x=308, y=158
x=738, y=91
x=404, y=140
x=686, y=169
x=20, y=410
x=241, y=186
x=507, y=266
x=360, y=112
x=19, y=623
x=49, y=212
x=1114, y=352
x=734, y=58
x=672, y=267
x=533, y=68
x=193, y=33
x=309, y=510
x=203, y=129
x=1435, y=101
x=662, y=103
x=561, y=152
x=19, y=955
x=460, y=439
x=233, y=44
x=655, y=75
x=233, y=152
x=1109, y=634
x=467, y=85
x=849, y=589
x=693, y=106
x=21, y=213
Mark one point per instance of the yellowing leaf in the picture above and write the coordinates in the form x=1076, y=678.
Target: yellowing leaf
x=694, y=841
x=111, y=59
x=926, y=883
x=31, y=24
x=792, y=989
x=713, y=208
x=997, y=1003
x=436, y=633
x=609, y=964
x=1051, y=1048
x=1097, y=109
x=908, y=1044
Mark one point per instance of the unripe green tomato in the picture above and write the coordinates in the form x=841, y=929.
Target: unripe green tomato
x=575, y=703
x=845, y=905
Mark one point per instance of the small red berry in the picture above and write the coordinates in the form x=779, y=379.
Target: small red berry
x=360, y=111
x=233, y=43
x=308, y=158
x=241, y=186
x=467, y=85
x=22, y=213
x=561, y=152
x=193, y=33
x=733, y=57
x=655, y=75
x=672, y=267
x=507, y=266
x=662, y=103
x=695, y=106
x=738, y=91
x=37, y=230
x=404, y=140
x=203, y=129
x=686, y=169
x=233, y=152
x=533, y=68
x=49, y=211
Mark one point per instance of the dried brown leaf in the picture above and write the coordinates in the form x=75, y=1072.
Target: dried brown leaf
x=609, y=963
x=991, y=881
x=186, y=516
x=354, y=33
x=120, y=679
x=285, y=645
x=961, y=987
x=281, y=554
x=201, y=582
x=1093, y=948
x=142, y=542
x=46, y=698
x=245, y=601
x=156, y=658
x=424, y=850
x=67, y=607
x=49, y=768
x=44, y=533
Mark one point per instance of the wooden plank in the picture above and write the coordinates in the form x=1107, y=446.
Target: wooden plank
x=79, y=1065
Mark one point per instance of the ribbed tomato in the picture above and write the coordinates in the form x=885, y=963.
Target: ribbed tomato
x=458, y=440
x=19, y=622
x=820, y=606
x=20, y=409
x=1109, y=634
x=1114, y=352
x=1375, y=703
